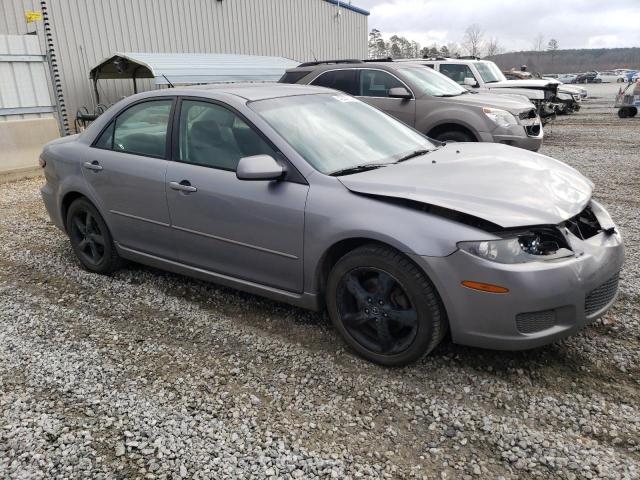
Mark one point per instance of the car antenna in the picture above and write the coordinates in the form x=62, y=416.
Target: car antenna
x=315, y=59
x=170, y=84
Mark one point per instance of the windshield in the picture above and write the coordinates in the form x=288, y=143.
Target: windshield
x=490, y=72
x=334, y=132
x=430, y=82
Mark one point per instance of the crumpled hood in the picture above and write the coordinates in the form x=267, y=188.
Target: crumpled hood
x=507, y=186
x=542, y=84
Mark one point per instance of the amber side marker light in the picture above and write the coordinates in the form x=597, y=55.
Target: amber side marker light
x=484, y=287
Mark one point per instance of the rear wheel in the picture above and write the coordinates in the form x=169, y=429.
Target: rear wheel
x=90, y=238
x=624, y=112
x=384, y=306
x=633, y=111
x=452, y=136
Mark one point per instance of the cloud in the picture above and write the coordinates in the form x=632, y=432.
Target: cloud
x=574, y=23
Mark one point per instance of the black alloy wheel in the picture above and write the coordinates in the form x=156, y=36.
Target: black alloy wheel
x=90, y=238
x=384, y=306
x=376, y=310
x=87, y=237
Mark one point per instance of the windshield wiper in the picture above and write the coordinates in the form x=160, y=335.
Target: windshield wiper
x=414, y=154
x=357, y=169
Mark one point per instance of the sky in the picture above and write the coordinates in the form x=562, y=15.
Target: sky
x=515, y=23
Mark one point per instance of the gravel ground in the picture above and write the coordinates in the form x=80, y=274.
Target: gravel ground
x=146, y=374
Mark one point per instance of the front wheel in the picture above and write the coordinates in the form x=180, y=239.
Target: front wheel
x=453, y=136
x=384, y=306
x=90, y=238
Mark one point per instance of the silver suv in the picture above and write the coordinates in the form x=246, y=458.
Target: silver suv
x=485, y=76
x=428, y=101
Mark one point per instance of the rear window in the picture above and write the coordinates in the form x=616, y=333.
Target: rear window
x=343, y=80
x=292, y=77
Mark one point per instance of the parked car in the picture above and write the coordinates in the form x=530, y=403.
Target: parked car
x=310, y=196
x=588, y=77
x=485, y=76
x=567, y=77
x=609, y=76
x=428, y=101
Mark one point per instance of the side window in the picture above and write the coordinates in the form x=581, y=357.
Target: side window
x=456, y=72
x=142, y=129
x=343, y=80
x=292, y=77
x=106, y=139
x=430, y=65
x=213, y=136
x=374, y=83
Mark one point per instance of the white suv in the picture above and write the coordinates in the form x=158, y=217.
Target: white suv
x=476, y=74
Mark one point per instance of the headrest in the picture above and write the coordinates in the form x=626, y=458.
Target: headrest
x=206, y=131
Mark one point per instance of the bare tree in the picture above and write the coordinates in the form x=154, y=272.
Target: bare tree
x=552, y=47
x=538, y=42
x=473, y=41
x=452, y=50
x=493, y=47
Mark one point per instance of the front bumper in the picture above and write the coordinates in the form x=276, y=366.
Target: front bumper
x=559, y=295
x=522, y=136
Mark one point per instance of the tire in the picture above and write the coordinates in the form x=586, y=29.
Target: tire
x=623, y=112
x=90, y=238
x=384, y=306
x=452, y=136
x=633, y=111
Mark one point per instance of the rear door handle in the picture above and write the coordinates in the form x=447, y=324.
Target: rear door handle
x=93, y=166
x=183, y=186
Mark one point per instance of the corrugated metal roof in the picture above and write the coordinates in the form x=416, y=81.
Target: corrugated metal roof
x=190, y=68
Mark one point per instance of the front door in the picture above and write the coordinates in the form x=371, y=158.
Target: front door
x=251, y=230
x=126, y=169
x=458, y=72
x=374, y=90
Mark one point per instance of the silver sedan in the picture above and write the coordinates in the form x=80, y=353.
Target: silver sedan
x=311, y=197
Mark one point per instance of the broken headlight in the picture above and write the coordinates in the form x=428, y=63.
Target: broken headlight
x=500, y=117
x=522, y=248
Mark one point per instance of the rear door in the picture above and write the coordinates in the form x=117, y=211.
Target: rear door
x=126, y=167
x=251, y=230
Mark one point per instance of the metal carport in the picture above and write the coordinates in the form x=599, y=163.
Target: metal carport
x=189, y=68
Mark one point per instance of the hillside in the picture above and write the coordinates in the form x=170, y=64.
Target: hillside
x=565, y=61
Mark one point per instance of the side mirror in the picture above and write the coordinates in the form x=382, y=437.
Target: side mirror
x=470, y=82
x=399, y=92
x=259, y=167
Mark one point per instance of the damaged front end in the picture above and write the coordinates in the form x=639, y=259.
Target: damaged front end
x=567, y=102
x=543, y=243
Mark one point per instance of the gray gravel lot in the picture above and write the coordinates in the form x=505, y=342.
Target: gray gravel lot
x=147, y=374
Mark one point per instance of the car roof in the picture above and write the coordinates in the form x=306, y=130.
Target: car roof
x=259, y=91
x=382, y=65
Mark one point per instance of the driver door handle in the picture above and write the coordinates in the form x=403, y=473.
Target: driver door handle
x=93, y=166
x=183, y=186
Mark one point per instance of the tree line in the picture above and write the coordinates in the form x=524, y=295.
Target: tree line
x=474, y=42
x=401, y=47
